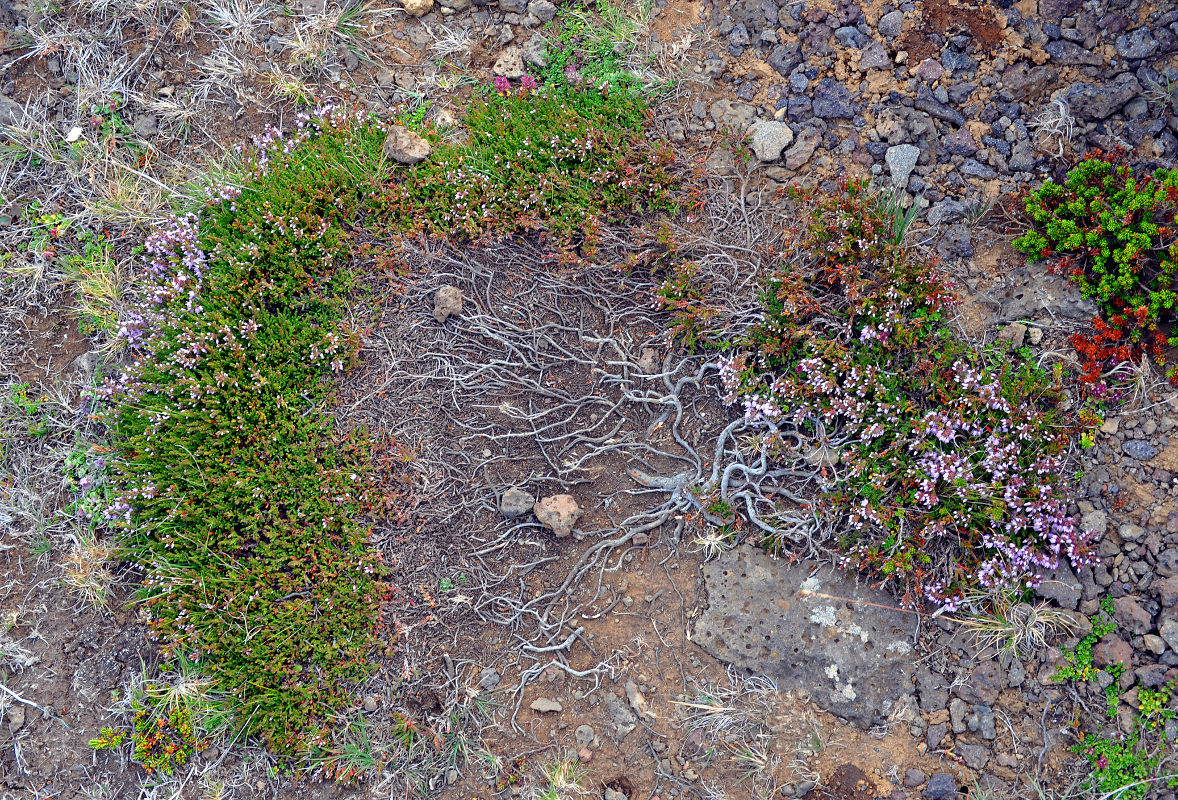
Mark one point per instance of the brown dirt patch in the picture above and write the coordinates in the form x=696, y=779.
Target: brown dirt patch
x=945, y=18
x=676, y=16
x=52, y=342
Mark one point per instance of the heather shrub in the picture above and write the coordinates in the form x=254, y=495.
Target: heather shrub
x=555, y=159
x=1110, y=231
x=242, y=501
x=246, y=503
x=942, y=465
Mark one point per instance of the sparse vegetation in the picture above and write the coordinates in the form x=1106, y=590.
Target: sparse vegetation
x=171, y=719
x=1079, y=666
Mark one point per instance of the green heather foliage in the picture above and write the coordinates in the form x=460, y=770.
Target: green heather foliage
x=1114, y=234
x=247, y=504
x=242, y=501
x=552, y=160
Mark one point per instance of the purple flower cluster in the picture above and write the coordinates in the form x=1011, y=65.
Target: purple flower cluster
x=176, y=263
x=946, y=465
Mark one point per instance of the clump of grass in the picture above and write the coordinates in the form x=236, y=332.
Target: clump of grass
x=562, y=779
x=1015, y=629
x=351, y=758
x=86, y=568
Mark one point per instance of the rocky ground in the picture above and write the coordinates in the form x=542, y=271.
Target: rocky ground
x=736, y=676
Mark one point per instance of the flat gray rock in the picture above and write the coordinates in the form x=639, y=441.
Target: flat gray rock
x=846, y=645
x=901, y=160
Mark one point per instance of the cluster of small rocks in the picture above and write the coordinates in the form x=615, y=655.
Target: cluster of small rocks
x=845, y=92
x=558, y=513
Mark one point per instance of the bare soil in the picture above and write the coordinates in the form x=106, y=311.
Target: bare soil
x=470, y=418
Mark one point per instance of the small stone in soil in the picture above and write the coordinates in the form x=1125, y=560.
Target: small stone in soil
x=941, y=786
x=447, y=302
x=488, y=679
x=544, y=705
x=516, y=503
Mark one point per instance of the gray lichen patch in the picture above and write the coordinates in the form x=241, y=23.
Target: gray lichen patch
x=811, y=629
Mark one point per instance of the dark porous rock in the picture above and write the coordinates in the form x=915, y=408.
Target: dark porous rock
x=1166, y=591
x=1058, y=9
x=1092, y=101
x=901, y=125
x=1023, y=82
x=961, y=92
x=960, y=143
x=1139, y=449
x=1167, y=563
x=928, y=103
x=1061, y=586
x=805, y=144
x=982, y=723
x=1169, y=631
x=874, y=56
x=750, y=14
x=913, y=778
x=941, y=786
x=973, y=168
x=1071, y=54
x=851, y=37
x=932, y=691
x=983, y=684
x=975, y=756
x=930, y=70
x=956, y=242
x=785, y=57
x=1130, y=616
x=1136, y=44
x=958, y=63
x=891, y=24
x=832, y=100
x=1132, y=533
x=1112, y=649
x=936, y=734
x=853, y=658
x=799, y=109
x=1151, y=676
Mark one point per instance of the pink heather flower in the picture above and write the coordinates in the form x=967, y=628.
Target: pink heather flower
x=528, y=83
x=502, y=85
x=572, y=75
